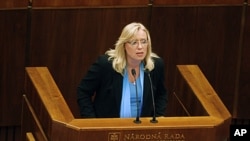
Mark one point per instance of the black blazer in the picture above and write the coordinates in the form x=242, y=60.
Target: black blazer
x=105, y=84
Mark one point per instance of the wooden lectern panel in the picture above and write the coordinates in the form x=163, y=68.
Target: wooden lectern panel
x=30, y=137
x=207, y=119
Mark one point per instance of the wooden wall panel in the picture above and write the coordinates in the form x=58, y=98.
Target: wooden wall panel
x=13, y=4
x=10, y=133
x=197, y=2
x=69, y=41
x=88, y=3
x=206, y=36
x=244, y=82
x=12, y=60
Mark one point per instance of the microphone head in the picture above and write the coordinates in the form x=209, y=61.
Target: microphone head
x=133, y=72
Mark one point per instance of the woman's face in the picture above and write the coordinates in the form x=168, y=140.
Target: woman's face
x=136, y=48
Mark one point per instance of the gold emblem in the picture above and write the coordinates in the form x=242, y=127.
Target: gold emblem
x=114, y=136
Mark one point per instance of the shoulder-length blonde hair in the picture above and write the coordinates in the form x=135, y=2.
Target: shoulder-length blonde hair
x=118, y=55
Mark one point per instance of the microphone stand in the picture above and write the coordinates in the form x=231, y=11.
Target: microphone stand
x=153, y=120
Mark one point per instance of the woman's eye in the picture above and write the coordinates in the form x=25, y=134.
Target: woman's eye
x=133, y=42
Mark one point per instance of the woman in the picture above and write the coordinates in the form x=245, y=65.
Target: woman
x=117, y=92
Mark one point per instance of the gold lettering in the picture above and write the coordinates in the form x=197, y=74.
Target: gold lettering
x=137, y=136
x=142, y=136
x=126, y=137
x=150, y=137
x=132, y=136
x=177, y=136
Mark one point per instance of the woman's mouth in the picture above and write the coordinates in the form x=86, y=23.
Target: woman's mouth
x=139, y=54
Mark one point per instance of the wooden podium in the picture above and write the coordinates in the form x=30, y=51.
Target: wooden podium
x=203, y=117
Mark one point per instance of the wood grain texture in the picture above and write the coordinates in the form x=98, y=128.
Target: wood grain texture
x=205, y=36
x=67, y=37
x=13, y=4
x=197, y=2
x=12, y=61
x=89, y=3
x=206, y=127
x=68, y=42
x=244, y=78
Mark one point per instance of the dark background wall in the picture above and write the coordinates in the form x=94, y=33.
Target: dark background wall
x=67, y=36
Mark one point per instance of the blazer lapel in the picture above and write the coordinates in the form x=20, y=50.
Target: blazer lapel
x=146, y=94
x=117, y=89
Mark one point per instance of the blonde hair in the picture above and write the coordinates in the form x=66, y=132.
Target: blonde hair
x=118, y=55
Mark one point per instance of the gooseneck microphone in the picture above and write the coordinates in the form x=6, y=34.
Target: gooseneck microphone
x=153, y=120
x=137, y=120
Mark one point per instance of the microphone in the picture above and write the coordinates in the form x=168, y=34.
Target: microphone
x=137, y=120
x=153, y=120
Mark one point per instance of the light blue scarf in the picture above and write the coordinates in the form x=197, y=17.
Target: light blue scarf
x=125, y=111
